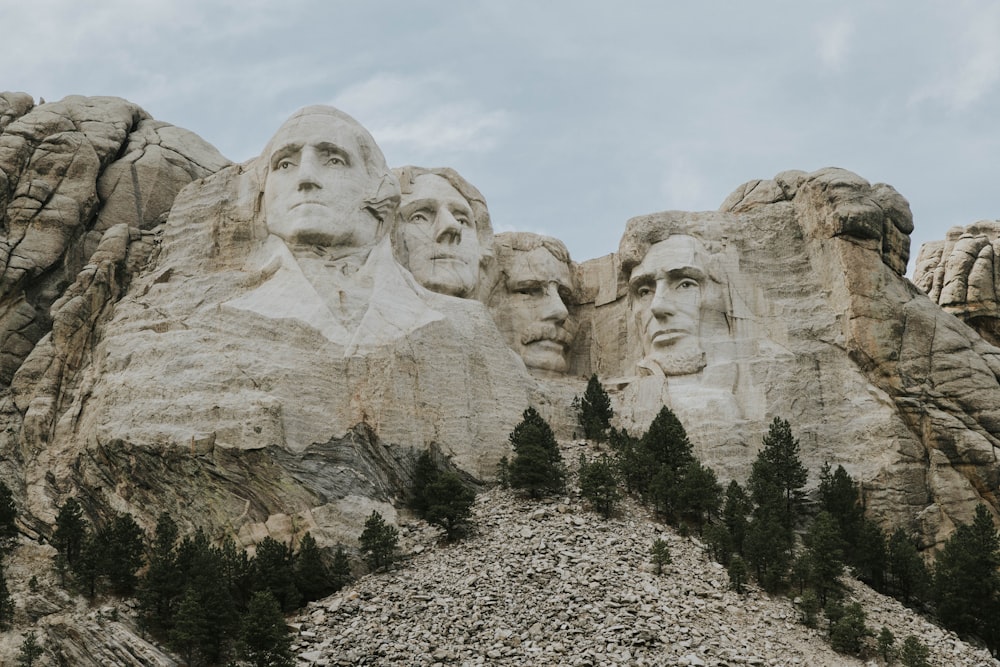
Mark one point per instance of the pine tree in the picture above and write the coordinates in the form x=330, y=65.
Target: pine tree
x=869, y=557
x=312, y=579
x=660, y=553
x=914, y=653
x=161, y=586
x=698, y=494
x=906, y=570
x=378, y=541
x=768, y=548
x=8, y=516
x=593, y=411
x=840, y=496
x=424, y=472
x=449, y=504
x=777, y=476
x=665, y=452
x=272, y=571
x=6, y=602
x=69, y=533
x=737, y=572
x=30, y=651
x=885, y=643
x=599, y=484
x=193, y=631
x=264, y=640
x=537, y=466
x=340, y=570
x=121, y=545
x=825, y=547
x=207, y=602
x=89, y=565
x=966, y=580
x=848, y=631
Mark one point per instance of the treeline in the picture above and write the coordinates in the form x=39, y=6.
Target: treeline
x=766, y=531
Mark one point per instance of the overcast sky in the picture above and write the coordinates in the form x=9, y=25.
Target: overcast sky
x=571, y=116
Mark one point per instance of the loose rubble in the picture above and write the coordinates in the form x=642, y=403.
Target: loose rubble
x=550, y=583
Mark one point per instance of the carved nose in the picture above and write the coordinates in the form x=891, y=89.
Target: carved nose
x=308, y=172
x=555, y=309
x=449, y=230
x=662, y=305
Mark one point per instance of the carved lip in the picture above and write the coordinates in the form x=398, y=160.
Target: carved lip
x=669, y=336
x=549, y=344
x=308, y=202
x=447, y=255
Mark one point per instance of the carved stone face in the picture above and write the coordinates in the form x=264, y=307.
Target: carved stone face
x=666, y=291
x=438, y=232
x=531, y=311
x=317, y=183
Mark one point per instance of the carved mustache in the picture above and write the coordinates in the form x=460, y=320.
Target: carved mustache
x=551, y=332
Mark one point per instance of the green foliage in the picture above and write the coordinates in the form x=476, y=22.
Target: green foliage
x=840, y=497
x=905, y=569
x=30, y=651
x=885, y=644
x=70, y=532
x=449, y=504
x=161, y=586
x=503, y=473
x=966, y=581
x=264, y=640
x=869, y=557
x=777, y=476
x=193, y=632
x=737, y=572
x=378, y=542
x=273, y=572
x=8, y=516
x=848, y=631
x=727, y=537
x=698, y=494
x=537, y=466
x=340, y=570
x=667, y=443
x=825, y=547
x=810, y=606
x=121, y=547
x=768, y=548
x=6, y=602
x=914, y=653
x=593, y=411
x=599, y=484
x=312, y=579
x=424, y=472
x=660, y=554
x=207, y=613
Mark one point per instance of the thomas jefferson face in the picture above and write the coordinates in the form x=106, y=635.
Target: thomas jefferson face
x=532, y=311
x=317, y=183
x=666, y=291
x=438, y=233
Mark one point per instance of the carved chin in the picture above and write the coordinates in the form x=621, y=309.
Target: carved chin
x=544, y=355
x=681, y=362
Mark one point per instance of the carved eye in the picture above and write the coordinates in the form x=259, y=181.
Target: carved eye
x=687, y=283
x=643, y=291
x=419, y=216
x=533, y=291
x=286, y=164
x=335, y=159
x=463, y=220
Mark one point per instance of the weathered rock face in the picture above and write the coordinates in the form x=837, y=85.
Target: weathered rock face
x=260, y=363
x=960, y=275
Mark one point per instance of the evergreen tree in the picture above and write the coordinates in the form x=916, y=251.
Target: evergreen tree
x=768, y=548
x=121, y=547
x=161, y=586
x=777, y=476
x=593, y=411
x=312, y=579
x=89, y=564
x=737, y=572
x=537, y=466
x=848, y=631
x=6, y=601
x=914, y=653
x=698, y=494
x=810, y=607
x=193, y=633
x=424, y=472
x=825, y=547
x=660, y=554
x=264, y=640
x=599, y=484
x=966, y=581
x=869, y=558
x=378, y=542
x=340, y=570
x=30, y=651
x=664, y=454
x=273, y=571
x=449, y=504
x=735, y=510
x=885, y=643
x=8, y=516
x=905, y=569
x=207, y=618
x=69, y=533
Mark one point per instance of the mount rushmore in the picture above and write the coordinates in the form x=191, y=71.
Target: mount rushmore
x=265, y=348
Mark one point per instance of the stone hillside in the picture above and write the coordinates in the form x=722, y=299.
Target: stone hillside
x=551, y=583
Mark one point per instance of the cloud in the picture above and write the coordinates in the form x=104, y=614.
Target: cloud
x=975, y=72
x=423, y=115
x=833, y=42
